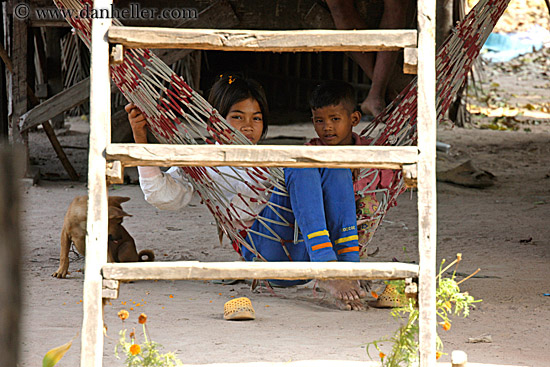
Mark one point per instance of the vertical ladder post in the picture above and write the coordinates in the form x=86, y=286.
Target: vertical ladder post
x=96, y=236
x=427, y=227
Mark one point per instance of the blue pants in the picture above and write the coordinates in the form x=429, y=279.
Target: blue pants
x=322, y=202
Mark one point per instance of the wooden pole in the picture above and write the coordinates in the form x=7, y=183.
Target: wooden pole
x=254, y=40
x=96, y=238
x=427, y=227
x=4, y=127
x=20, y=50
x=53, y=69
x=61, y=102
x=4, y=124
x=10, y=257
x=186, y=270
x=350, y=156
x=50, y=133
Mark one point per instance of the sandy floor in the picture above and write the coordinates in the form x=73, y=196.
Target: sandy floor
x=503, y=230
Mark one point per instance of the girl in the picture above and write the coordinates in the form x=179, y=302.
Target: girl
x=243, y=104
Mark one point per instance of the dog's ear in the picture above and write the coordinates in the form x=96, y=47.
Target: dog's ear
x=115, y=212
x=117, y=200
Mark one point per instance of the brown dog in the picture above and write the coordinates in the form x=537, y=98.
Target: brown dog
x=121, y=246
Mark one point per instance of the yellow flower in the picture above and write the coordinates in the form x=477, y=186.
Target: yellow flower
x=438, y=354
x=123, y=314
x=135, y=349
x=448, y=305
x=142, y=319
x=445, y=325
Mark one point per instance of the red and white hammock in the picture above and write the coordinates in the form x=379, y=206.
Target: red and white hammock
x=179, y=115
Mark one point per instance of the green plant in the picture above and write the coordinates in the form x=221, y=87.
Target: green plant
x=54, y=355
x=449, y=301
x=146, y=354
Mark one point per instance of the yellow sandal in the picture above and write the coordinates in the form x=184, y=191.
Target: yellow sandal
x=239, y=309
x=389, y=298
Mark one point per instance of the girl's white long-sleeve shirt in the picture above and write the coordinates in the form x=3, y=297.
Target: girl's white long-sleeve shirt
x=171, y=190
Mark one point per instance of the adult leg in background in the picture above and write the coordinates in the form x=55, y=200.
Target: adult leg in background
x=378, y=66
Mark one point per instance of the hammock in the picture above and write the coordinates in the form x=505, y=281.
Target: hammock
x=179, y=115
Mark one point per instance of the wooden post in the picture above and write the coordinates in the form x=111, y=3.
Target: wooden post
x=196, y=61
x=19, y=80
x=53, y=69
x=96, y=238
x=298, y=73
x=10, y=257
x=4, y=125
x=50, y=133
x=3, y=103
x=426, y=182
x=45, y=123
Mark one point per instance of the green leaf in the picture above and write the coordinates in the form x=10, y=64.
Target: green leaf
x=54, y=355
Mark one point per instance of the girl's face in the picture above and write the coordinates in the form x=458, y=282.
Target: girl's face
x=246, y=116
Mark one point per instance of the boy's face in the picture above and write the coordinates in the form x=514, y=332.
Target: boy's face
x=334, y=124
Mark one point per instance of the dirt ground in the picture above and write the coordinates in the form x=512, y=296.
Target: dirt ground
x=502, y=229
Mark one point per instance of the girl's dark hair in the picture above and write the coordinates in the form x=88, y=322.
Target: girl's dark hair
x=332, y=93
x=230, y=89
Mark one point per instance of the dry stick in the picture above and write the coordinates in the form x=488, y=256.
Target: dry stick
x=469, y=276
x=48, y=129
x=458, y=259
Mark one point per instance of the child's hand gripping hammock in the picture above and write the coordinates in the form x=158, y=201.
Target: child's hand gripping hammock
x=177, y=114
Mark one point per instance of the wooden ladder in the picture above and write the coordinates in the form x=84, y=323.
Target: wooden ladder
x=107, y=160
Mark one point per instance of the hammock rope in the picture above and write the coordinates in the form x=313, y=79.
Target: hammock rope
x=177, y=114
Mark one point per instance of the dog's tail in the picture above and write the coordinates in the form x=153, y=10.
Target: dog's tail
x=146, y=255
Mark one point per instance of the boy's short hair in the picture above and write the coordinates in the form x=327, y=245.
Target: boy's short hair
x=331, y=93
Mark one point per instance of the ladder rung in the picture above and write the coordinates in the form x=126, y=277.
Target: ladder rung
x=309, y=363
x=254, y=40
x=329, y=363
x=262, y=155
x=195, y=270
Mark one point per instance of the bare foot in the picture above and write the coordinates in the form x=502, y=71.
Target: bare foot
x=356, y=305
x=345, y=290
x=373, y=105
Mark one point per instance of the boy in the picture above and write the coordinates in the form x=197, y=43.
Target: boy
x=321, y=201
